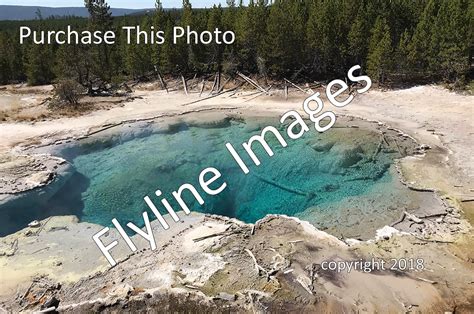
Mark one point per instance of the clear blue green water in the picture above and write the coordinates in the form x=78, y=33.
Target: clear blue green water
x=316, y=170
x=318, y=175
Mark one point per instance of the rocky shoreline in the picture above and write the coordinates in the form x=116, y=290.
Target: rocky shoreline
x=272, y=265
x=214, y=262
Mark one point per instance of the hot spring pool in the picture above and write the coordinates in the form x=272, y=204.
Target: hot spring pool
x=317, y=177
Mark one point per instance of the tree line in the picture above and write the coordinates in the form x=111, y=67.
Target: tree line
x=394, y=41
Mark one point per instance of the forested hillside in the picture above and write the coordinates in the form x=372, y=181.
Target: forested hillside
x=394, y=41
x=19, y=12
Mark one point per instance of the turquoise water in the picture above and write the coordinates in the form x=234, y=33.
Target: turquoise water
x=315, y=171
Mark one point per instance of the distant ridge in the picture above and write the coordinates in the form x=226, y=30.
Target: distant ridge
x=18, y=12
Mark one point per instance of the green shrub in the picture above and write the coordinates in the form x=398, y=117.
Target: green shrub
x=67, y=92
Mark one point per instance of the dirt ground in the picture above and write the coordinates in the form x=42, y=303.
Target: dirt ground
x=277, y=262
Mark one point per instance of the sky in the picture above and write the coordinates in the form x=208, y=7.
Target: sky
x=134, y=4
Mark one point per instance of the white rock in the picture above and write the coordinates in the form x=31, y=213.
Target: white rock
x=34, y=224
x=386, y=233
x=352, y=242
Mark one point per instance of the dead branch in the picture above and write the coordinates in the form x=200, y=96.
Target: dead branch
x=13, y=247
x=259, y=94
x=42, y=226
x=185, y=86
x=162, y=82
x=296, y=86
x=223, y=85
x=427, y=280
x=209, y=236
x=257, y=266
x=252, y=82
x=37, y=251
x=202, y=87
x=194, y=82
x=27, y=291
x=295, y=241
x=281, y=186
x=211, y=96
x=305, y=287
x=191, y=287
x=213, y=85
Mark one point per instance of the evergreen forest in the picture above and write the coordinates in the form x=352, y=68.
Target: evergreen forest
x=396, y=41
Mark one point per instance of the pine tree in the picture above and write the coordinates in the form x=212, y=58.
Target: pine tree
x=324, y=37
x=171, y=59
x=159, y=22
x=73, y=62
x=402, y=65
x=139, y=54
x=229, y=15
x=40, y=65
x=319, y=39
x=283, y=45
x=100, y=20
x=229, y=19
x=5, y=69
x=420, y=48
x=246, y=47
x=357, y=41
x=450, y=49
x=215, y=51
x=40, y=61
x=380, y=51
x=185, y=52
x=15, y=52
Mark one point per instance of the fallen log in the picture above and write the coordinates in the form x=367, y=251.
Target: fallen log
x=252, y=82
x=202, y=87
x=185, y=86
x=427, y=280
x=211, y=96
x=209, y=236
x=223, y=86
x=213, y=85
x=194, y=83
x=296, y=86
x=258, y=95
x=162, y=82
x=281, y=186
